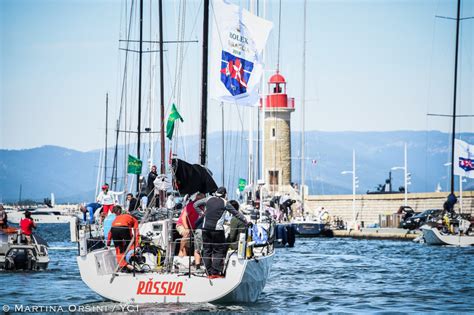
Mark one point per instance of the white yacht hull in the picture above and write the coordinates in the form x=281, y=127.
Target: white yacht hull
x=244, y=281
x=15, y=217
x=433, y=236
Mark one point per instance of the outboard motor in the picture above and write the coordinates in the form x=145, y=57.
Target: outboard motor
x=19, y=259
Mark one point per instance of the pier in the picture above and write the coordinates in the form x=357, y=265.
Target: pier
x=379, y=233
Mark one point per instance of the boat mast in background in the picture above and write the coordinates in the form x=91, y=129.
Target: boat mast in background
x=140, y=53
x=205, y=40
x=162, y=94
x=106, y=128
x=303, y=96
x=453, y=136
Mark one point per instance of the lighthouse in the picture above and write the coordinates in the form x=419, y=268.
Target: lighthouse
x=277, y=134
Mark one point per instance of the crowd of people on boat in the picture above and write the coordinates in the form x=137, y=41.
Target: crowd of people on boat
x=201, y=222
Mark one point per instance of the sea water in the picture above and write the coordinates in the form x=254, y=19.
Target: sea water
x=318, y=275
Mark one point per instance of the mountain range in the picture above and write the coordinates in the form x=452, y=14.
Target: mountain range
x=72, y=175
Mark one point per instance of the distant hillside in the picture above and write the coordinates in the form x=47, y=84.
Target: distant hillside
x=72, y=175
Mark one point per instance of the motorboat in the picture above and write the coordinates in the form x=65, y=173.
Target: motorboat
x=17, y=254
x=44, y=215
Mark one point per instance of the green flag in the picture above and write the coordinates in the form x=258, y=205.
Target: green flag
x=134, y=165
x=242, y=184
x=174, y=115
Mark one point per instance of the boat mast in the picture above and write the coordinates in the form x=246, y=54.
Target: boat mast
x=205, y=37
x=453, y=135
x=162, y=92
x=303, y=108
x=106, y=128
x=140, y=53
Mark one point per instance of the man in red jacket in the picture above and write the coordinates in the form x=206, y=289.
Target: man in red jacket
x=27, y=225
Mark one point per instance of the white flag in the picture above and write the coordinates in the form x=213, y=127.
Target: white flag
x=238, y=40
x=463, y=159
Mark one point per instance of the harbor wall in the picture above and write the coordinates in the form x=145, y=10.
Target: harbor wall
x=370, y=207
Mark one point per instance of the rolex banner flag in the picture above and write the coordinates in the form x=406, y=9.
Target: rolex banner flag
x=238, y=40
x=463, y=159
x=134, y=165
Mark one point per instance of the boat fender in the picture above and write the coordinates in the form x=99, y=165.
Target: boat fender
x=291, y=234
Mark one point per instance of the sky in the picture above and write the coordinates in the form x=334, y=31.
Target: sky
x=371, y=66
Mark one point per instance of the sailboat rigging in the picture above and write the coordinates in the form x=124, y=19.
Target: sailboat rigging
x=432, y=233
x=157, y=276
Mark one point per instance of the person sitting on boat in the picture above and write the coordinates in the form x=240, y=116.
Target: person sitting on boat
x=124, y=230
x=214, y=246
x=236, y=227
x=107, y=199
x=3, y=218
x=90, y=208
x=27, y=225
x=133, y=203
x=187, y=224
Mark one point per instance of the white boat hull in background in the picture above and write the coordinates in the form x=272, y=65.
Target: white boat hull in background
x=433, y=236
x=50, y=218
x=244, y=281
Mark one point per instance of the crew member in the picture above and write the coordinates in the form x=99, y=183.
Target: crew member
x=133, y=204
x=107, y=199
x=27, y=225
x=90, y=208
x=187, y=224
x=3, y=218
x=124, y=230
x=214, y=246
x=236, y=227
x=153, y=201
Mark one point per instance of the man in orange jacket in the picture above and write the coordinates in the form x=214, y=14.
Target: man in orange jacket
x=124, y=230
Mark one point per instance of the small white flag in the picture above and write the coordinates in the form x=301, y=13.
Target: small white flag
x=463, y=158
x=238, y=40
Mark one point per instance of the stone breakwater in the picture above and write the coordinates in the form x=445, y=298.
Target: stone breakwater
x=370, y=207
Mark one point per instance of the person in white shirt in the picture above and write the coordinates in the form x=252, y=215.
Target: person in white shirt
x=107, y=199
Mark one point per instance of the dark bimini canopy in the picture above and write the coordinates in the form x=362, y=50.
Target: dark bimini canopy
x=191, y=178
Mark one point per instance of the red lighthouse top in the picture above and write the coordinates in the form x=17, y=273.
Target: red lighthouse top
x=277, y=97
x=277, y=78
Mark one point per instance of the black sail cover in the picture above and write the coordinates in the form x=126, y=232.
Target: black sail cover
x=191, y=178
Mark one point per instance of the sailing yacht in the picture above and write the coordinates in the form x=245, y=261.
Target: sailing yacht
x=436, y=233
x=159, y=275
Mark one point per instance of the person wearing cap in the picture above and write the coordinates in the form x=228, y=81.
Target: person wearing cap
x=27, y=225
x=107, y=199
x=214, y=245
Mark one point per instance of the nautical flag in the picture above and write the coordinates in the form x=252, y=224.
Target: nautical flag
x=174, y=115
x=242, y=184
x=463, y=158
x=134, y=165
x=238, y=40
